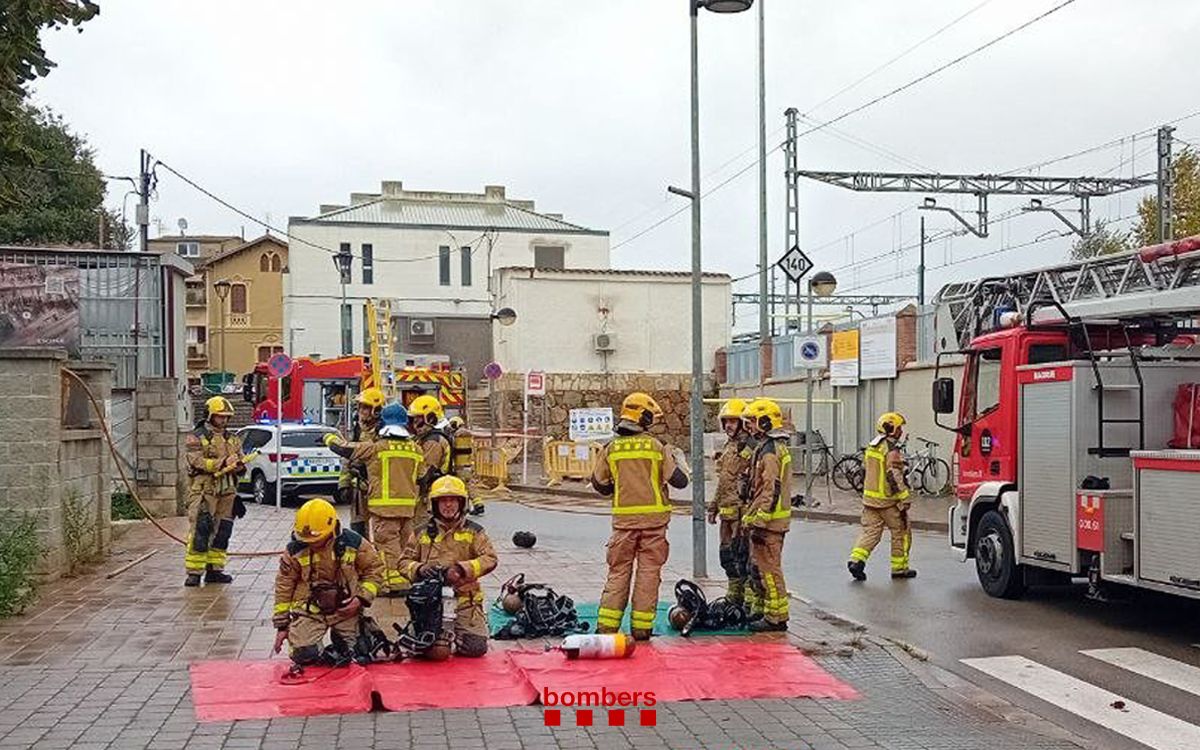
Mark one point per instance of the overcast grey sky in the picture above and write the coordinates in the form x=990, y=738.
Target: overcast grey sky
x=583, y=107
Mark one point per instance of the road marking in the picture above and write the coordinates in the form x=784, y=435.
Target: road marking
x=1133, y=720
x=1148, y=664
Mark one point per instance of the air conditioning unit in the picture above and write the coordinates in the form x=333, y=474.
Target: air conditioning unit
x=605, y=342
x=420, y=328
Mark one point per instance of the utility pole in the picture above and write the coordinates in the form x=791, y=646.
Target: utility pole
x=791, y=234
x=763, y=324
x=143, y=211
x=696, y=407
x=1166, y=201
x=921, y=268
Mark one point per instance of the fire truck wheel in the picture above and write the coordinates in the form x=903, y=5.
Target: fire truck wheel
x=996, y=560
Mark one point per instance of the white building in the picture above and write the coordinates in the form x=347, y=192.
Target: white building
x=608, y=321
x=432, y=253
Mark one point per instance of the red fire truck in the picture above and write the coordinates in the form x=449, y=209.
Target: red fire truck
x=1075, y=441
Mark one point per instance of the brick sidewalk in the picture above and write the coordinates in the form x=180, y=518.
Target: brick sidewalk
x=103, y=664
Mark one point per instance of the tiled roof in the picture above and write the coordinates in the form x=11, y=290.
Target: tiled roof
x=614, y=272
x=475, y=215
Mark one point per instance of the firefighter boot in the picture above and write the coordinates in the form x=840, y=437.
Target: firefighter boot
x=192, y=580
x=906, y=573
x=858, y=569
x=766, y=626
x=217, y=576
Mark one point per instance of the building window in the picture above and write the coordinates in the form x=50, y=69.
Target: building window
x=444, y=265
x=194, y=334
x=237, y=298
x=276, y=263
x=466, y=265
x=347, y=329
x=264, y=262
x=188, y=249
x=545, y=256
x=265, y=352
x=368, y=264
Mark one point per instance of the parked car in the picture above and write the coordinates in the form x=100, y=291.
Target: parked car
x=309, y=467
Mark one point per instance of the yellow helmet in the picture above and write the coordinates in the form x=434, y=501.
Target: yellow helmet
x=640, y=408
x=765, y=413
x=219, y=405
x=425, y=406
x=733, y=409
x=455, y=422
x=372, y=397
x=448, y=486
x=890, y=423
x=315, y=520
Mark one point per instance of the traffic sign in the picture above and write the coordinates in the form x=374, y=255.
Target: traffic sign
x=280, y=365
x=795, y=264
x=808, y=352
x=493, y=371
x=535, y=384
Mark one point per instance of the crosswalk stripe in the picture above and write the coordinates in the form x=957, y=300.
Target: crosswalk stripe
x=1133, y=720
x=1148, y=664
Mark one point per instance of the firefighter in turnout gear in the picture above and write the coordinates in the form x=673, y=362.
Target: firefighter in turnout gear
x=768, y=513
x=424, y=415
x=352, y=481
x=452, y=543
x=635, y=469
x=885, y=500
x=462, y=454
x=215, y=460
x=732, y=464
x=327, y=577
x=393, y=462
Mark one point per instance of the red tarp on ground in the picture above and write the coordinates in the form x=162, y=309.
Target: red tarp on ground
x=691, y=671
x=488, y=682
x=228, y=690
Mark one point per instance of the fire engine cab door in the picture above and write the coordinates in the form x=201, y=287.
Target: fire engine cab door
x=986, y=446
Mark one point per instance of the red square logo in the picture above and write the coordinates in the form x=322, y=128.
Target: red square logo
x=552, y=717
x=649, y=717
x=583, y=717
x=616, y=718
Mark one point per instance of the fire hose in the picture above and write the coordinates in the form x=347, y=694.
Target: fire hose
x=108, y=438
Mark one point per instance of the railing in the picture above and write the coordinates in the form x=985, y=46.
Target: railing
x=239, y=320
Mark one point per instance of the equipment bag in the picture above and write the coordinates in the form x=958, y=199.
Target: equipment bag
x=1187, y=416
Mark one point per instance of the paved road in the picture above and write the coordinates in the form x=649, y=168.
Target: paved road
x=945, y=613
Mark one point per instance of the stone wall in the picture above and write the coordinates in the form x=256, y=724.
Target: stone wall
x=566, y=391
x=54, y=464
x=160, y=446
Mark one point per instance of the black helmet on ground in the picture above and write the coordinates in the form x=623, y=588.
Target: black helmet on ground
x=524, y=539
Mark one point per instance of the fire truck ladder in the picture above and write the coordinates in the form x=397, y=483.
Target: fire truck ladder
x=383, y=361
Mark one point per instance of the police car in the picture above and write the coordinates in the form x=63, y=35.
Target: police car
x=309, y=467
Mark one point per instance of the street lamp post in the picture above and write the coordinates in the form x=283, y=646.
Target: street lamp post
x=696, y=411
x=822, y=284
x=341, y=261
x=505, y=316
x=222, y=288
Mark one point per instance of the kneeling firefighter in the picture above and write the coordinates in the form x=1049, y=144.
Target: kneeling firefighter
x=214, y=459
x=327, y=577
x=769, y=512
x=393, y=462
x=458, y=549
x=885, y=500
x=732, y=464
x=634, y=469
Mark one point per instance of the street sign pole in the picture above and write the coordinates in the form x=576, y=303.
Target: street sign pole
x=280, y=365
x=525, y=435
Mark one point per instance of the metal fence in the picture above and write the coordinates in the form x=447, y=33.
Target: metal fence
x=120, y=307
x=742, y=363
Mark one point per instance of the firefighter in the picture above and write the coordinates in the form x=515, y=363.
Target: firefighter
x=732, y=464
x=768, y=512
x=459, y=547
x=424, y=416
x=461, y=456
x=634, y=469
x=327, y=577
x=352, y=483
x=885, y=500
x=393, y=461
x=215, y=460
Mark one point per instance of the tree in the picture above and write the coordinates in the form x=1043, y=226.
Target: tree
x=1185, y=214
x=1102, y=240
x=58, y=193
x=23, y=59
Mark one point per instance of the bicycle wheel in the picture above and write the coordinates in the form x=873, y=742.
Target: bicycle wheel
x=848, y=473
x=916, y=476
x=935, y=476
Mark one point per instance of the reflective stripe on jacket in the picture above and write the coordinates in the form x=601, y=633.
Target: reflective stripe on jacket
x=883, y=479
x=348, y=561
x=444, y=545
x=637, y=467
x=393, y=466
x=770, y=486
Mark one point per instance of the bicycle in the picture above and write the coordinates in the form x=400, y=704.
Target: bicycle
x=847, y=471
x=927, y=473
